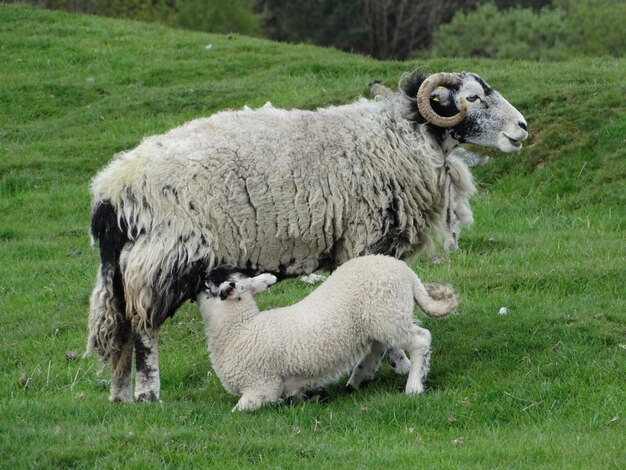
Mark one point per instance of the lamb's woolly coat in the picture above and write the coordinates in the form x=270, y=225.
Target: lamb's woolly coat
x=276, y=353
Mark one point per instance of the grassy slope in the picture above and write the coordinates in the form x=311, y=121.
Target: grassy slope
x=541, y=386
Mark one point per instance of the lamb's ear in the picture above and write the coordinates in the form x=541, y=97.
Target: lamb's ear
x=227, y=289
x=261, y=282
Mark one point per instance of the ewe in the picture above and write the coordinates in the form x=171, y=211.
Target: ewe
x=364, y=307
x=274, y=190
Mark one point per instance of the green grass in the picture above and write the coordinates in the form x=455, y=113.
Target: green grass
x=543, y=386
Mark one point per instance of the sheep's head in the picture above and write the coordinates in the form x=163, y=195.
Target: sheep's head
x=237, y=286
x=468, y=110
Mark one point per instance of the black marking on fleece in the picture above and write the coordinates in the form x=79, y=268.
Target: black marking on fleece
x=141, y=353
x=486, y=88
x=224, y=293
x=392, y=240
x=466, y=128
x=111, y=238
x=182, y=283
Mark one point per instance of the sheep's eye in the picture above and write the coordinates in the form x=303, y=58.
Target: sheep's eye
x=472, y=98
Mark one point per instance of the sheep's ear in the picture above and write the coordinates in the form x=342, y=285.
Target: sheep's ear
x=261, y=282
x=227, y=289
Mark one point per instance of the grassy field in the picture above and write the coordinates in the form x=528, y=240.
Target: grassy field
x=543, y=386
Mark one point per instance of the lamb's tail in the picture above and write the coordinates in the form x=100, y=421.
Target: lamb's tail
x=435, y=300
x=107, y=321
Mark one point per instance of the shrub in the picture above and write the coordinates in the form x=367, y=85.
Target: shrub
x=596, y=27
x=518, y=33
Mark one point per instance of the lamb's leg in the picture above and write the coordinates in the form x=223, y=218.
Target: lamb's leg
x=365, y=370
x=419, y=350
x=121, y=373
x=147, y=380
x=398, y=360
x=253, y=399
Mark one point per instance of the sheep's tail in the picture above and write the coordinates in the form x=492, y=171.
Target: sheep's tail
x=435, y=300
x=107, y=322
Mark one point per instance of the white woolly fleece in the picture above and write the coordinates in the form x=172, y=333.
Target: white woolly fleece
x=274, y=189
x=279, y=352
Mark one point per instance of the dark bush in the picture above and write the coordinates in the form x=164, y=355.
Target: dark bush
x=569, y=28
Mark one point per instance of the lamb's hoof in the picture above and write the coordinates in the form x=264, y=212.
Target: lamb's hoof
x=118, y=399
x=350, y=389
x=148, y=397
x=417, y=390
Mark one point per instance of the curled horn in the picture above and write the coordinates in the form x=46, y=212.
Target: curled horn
x=423, y=100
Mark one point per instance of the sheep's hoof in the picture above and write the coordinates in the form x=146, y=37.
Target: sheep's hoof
x=118, y=399
x=148, y=397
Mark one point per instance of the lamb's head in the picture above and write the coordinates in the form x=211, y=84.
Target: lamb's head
x=467, y=110
x=236, y=287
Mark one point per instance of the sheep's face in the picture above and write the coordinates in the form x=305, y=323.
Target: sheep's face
x=491, y=121
x=470, y=111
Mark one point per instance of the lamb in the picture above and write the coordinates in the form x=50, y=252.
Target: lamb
x=273, y=190
x=364, y=307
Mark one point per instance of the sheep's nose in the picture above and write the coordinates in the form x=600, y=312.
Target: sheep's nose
x=523, y=125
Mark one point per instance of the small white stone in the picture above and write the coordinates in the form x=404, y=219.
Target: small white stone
x=503, y=311
x=208, y=47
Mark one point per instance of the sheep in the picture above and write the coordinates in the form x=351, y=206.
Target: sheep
x=364, y=307
x=273, y=190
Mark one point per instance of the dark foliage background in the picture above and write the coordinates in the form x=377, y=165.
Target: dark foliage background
x=395, y=29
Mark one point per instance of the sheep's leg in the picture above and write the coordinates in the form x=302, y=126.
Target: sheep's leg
x=253, y=399
x=364, y=372
x=147, y=380
x=121, y=373
x=398, y=360
x=419, y=350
